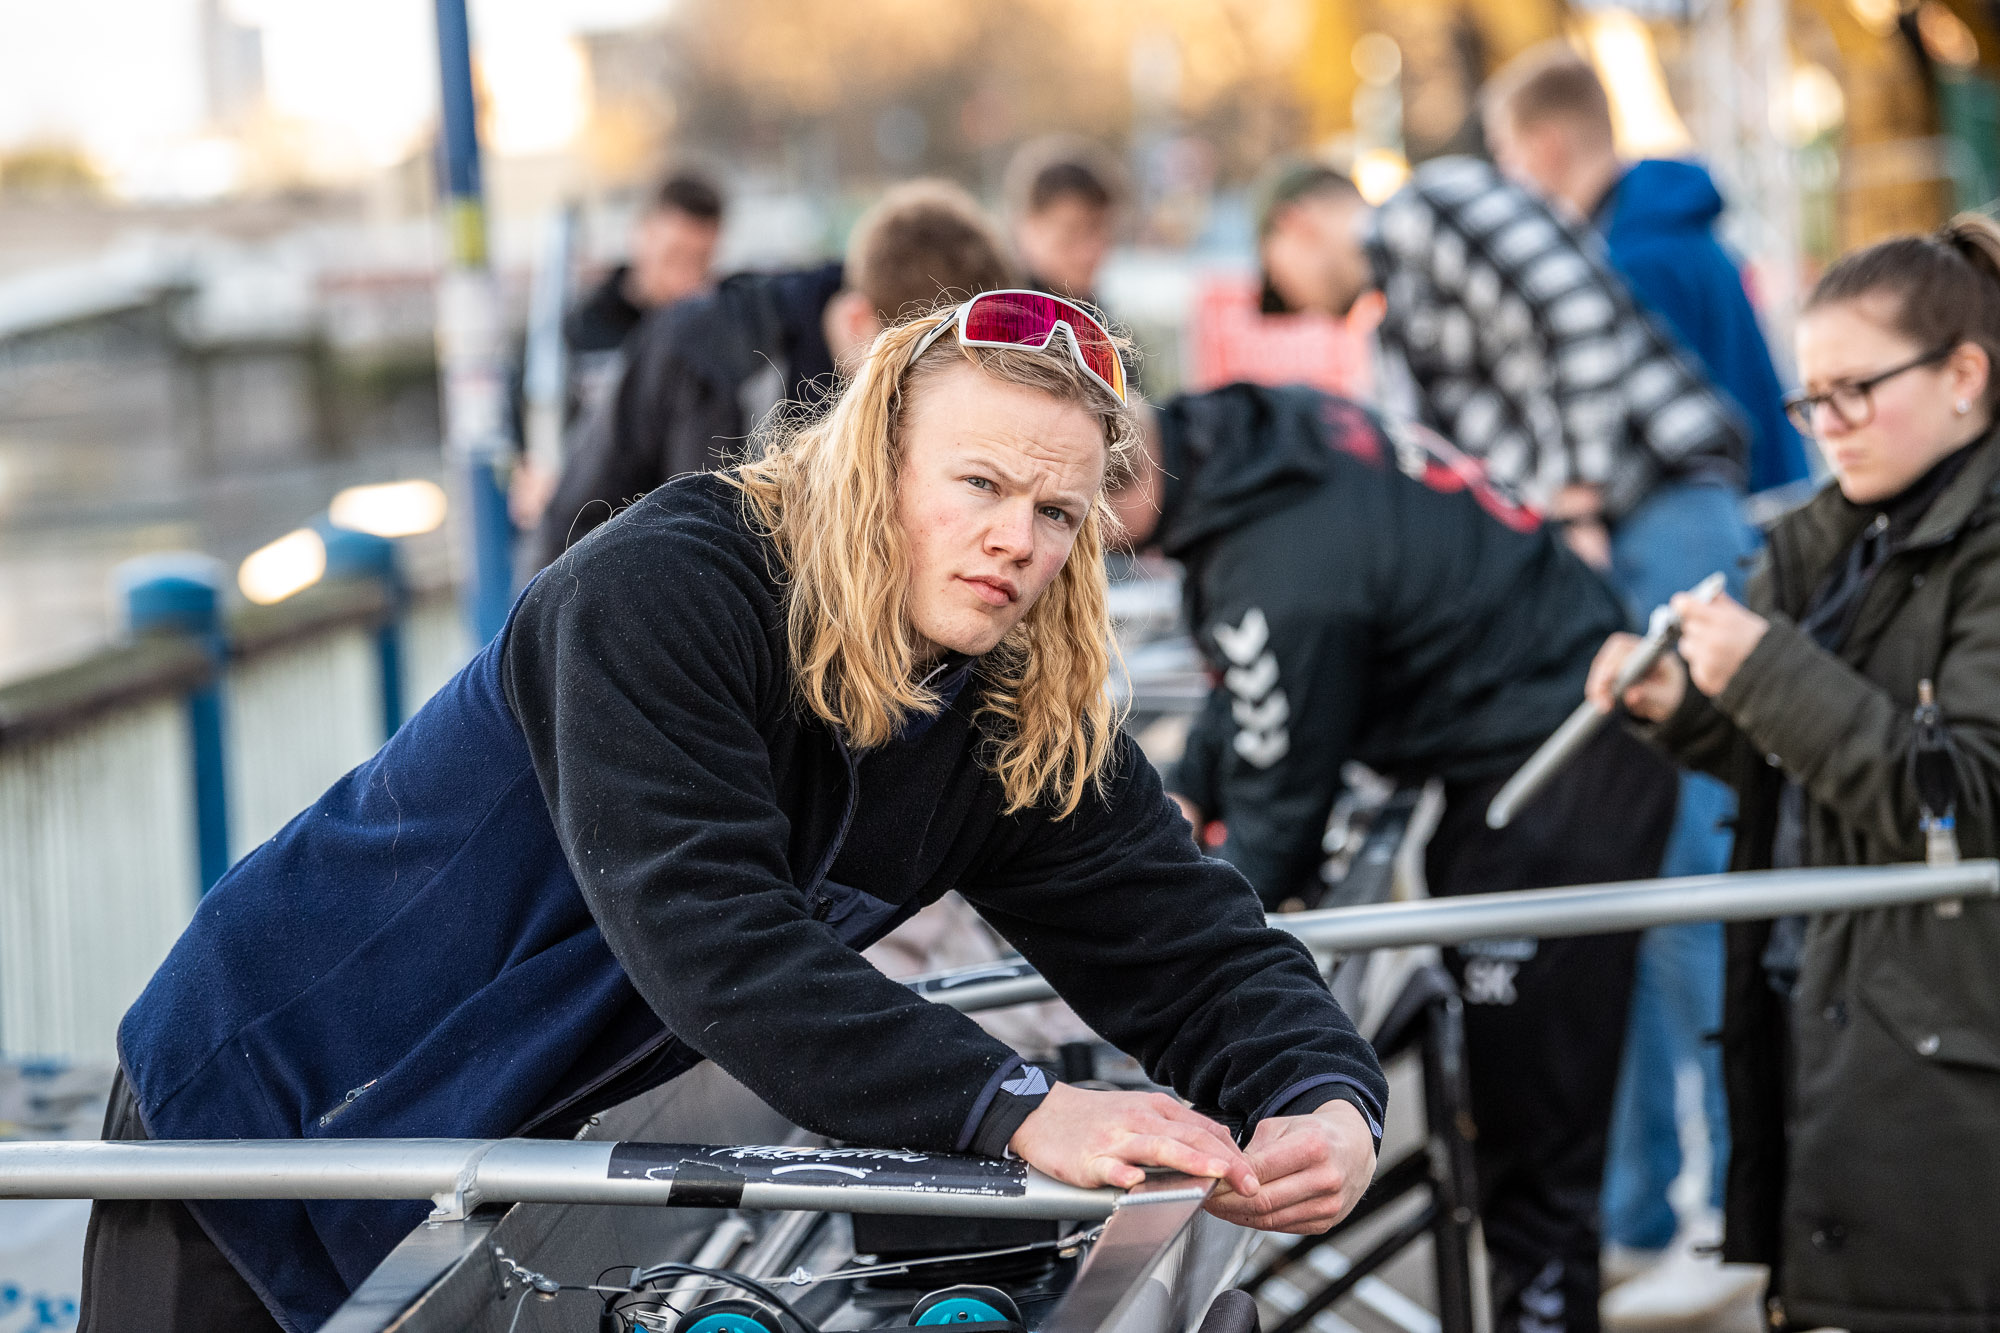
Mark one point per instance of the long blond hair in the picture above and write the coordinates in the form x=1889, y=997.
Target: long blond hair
x=824, y=490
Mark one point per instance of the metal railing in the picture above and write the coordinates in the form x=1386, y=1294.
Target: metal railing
x=457, y=1173
x=1594, y=909
x=128, y=781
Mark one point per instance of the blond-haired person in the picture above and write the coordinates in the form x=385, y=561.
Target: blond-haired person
x=726, y=741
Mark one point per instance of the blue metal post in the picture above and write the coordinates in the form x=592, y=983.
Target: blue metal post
x=363, y=555
x=471, y=343
x=182, y=593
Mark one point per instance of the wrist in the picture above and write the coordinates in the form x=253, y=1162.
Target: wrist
x=1022, y=1090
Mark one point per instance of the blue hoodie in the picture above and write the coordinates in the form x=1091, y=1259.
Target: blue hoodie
x=1659, y=224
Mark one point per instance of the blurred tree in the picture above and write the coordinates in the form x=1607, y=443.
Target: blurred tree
x=48, y=170
x=842, y=89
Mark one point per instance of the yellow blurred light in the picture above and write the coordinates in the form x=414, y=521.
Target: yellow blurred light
x=1643, y=118
x=1817, y=103
x=1377, y=58
x=538, y=90
x=1878, y=16
x=1945, y=36
x=272, y=573
x=1379, y=173
x=390, y=508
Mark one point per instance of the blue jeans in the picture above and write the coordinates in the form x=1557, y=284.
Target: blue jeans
x=1678, y=536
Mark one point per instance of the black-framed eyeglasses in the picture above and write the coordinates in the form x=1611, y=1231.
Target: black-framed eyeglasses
x=1853, y=401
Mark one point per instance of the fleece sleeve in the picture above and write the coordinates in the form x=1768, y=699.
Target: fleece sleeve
x=639, y=668
x=1284, y=716
x=1166, y=953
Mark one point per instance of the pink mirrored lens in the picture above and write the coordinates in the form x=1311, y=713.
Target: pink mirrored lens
x=1027, y=320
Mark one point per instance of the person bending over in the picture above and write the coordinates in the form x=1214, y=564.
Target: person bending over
x=730, y=739
x=1862, y=1049
x=1362, y=594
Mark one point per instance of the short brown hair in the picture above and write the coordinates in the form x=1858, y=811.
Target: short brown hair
x=1945, y=286
x=1055, y=167
x=691, y=192
x=1549, y=82
x=923, y=242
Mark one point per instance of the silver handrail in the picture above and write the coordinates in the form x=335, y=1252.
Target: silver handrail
x=458, y=1175
x=1595, y=909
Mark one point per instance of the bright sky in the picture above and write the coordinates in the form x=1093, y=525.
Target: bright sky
x=122, y=78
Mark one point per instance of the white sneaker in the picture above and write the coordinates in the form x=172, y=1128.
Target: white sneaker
x=1688, y=1290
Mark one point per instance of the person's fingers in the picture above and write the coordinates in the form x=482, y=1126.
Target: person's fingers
x=1231, y=1164
x=1604, y=669
x=1113, y=1169
x=1314, y=1211
x=1307, y=1219
x=1171, y=1153
x=1288, y=1154
x=1298, y=1187
x=1195, y=1122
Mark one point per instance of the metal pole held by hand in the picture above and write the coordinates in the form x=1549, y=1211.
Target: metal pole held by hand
x=1663, y=631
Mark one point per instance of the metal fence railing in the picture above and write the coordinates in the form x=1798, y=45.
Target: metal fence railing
x=458, y=1173
x=129, y=779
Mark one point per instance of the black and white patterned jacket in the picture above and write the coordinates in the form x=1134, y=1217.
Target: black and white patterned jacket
x=1524, y=348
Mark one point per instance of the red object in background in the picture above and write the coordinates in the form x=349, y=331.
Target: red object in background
x=1233, y=341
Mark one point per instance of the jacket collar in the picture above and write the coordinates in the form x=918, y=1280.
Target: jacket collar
x=1963, y=498
x=1827, y=524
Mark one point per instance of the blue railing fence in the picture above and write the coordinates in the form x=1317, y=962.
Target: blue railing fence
x=130, y=780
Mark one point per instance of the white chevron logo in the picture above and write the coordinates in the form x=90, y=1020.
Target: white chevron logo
x=1260, y=709
x=1253, y=681
x=1242, y=644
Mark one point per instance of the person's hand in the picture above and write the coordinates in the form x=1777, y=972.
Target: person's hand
x=528, y=494
x=1313, y=1169
x=1654, y=698
x=1580, y=509
x=1716, y=638
x=1189, y=811
x=1093, y=1139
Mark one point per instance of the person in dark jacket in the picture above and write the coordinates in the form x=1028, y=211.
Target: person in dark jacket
x=1362, y=592
x=672, y=254
x=1862, y=1049
x=700, y=375
x=1548, y=119
x=730, y=739
x=1064, y=194
x=672, y=258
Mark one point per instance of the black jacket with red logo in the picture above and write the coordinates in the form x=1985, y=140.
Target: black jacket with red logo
x=1360, y=591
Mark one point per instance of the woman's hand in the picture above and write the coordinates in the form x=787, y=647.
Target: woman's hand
x=1716, y=638
x=1094, y=1139
x=1654, y=698
x=1313, y=1170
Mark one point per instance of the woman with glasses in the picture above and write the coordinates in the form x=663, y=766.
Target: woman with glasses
x=728, y=740
x=1862, y=1049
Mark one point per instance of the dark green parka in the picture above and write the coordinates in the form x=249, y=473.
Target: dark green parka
x=1865, y=1164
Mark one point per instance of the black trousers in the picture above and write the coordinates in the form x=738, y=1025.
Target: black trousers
x=148, y=1267
x=1545, y=1019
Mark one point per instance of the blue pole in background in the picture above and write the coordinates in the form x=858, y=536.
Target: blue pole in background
x=471, y=345
x=363, y=555
x=182, y=593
